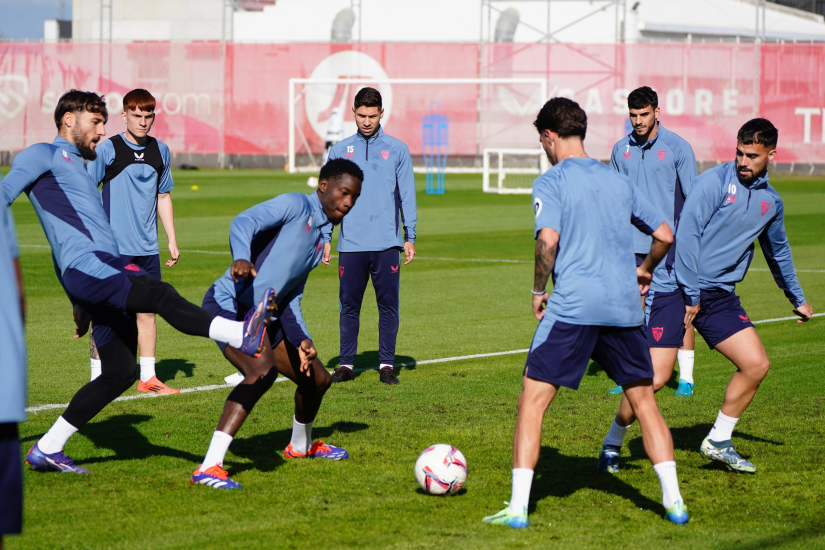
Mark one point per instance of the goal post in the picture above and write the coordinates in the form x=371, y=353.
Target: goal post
x=512, y=171
x=483, y=113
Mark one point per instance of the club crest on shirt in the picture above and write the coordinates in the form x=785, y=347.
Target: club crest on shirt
x=385, y=154
x=138, y=157
x=350, y=150
x=662, y=155
x=765, y=207
x=537, y=206
x=657, y=332
x=66, y=156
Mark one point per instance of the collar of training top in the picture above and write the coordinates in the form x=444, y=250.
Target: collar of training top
x=647, y=144
x=66, y=144
x=378, y=133
x=759, y=183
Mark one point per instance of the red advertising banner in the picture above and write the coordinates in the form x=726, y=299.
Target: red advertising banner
x=706, y=91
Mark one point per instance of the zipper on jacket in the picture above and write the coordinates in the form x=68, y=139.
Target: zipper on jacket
x=748, y=205
x=368, y=149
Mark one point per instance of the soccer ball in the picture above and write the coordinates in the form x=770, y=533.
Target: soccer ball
x=441, y=469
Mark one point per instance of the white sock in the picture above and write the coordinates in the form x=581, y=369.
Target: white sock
x=55, y=439
x=96, y=368
x=522, y=482
x=385, y=365
x=723, y=428
x=147, y=368
x=226, y=331
x=301, y=436
x=347, y=367
x=670, y=484
x=217, y=450
x=685, y=358
x=616, y=434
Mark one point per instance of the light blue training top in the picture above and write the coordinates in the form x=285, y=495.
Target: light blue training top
x=67, y=203
x=662, y=169
x=720, y=222
x=282, y=237
x=593, y=209
x=387, y=202
x=131, y=185
x=12, y=337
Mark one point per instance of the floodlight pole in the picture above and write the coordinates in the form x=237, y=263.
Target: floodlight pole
x=222, y=100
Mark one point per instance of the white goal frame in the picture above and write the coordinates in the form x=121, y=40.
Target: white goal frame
x=294, y=97
x=503, y=171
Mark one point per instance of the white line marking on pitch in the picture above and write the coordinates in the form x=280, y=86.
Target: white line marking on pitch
x=38, y=408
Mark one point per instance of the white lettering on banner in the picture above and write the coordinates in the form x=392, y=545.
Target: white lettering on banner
x=13, y=98
x=48, y=102
x=620, y=101
x=594, y=102
x=729, y=102
x=675, y=102
x=114, y=102
x=196, y=99
x=806, y=127
x=167, y=108
x=703, y=100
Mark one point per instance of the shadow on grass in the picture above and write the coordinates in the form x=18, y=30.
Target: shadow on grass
x=369, y=359
x=168, y=369
x=120, y=434
x=458, y=493
x=804, y=537
x=265, y=451
x=560, y=476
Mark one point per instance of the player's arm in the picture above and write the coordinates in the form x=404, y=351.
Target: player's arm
x=409, y=213
x=166, y=211
x=295, y=329
x=547, y=245
x=613, y=160
x=105, y=156
x=651, y=222
x=267, y=215
x=326, y=238
x=686, y=169
x=14, y=253
x=27, y=167
x=777, y=251
x=700, y=205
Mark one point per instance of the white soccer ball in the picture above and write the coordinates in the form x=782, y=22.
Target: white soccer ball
x=312, y=181
x=441, y=469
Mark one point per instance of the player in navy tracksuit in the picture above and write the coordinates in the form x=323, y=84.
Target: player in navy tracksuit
x=97, y=280
x=584, y=211
x=730, y=207
x=662, y=166
x=379, y=226
x=134, y=170
x=275, y=245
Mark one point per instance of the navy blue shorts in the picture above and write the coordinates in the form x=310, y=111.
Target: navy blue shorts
x=11, y=481
x=105, y=299
x=561, y=351
x=150, y=264
x=275, y=331
x=720, y=316
x=665, y=319
x=640, y=258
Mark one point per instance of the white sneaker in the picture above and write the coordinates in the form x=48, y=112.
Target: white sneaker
x=234, y=379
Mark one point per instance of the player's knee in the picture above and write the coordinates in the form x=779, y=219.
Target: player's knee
x=760, y=370
x=323, y=380
x=659, y=381
x=119, y=382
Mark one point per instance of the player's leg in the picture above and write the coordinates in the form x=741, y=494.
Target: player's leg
x=93, y=355
x=385, y=268
x=640, y=258
x=625, y=355
x=685, y=357
x=11, y=482
x=117, y=346
x=353, y=273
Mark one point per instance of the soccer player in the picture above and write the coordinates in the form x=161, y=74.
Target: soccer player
x=275, y=245
x=729, y=207
x=662, y=166
x=371, y=237
x=134, y=169
x=97, y=281
x=584, y=212
x=13, y=374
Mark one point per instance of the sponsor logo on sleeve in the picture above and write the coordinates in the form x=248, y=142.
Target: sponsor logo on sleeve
x=662, y=155
x=385, y=154
x=537, y=206
x=309, y=224
x=657, y=332
x=765, y=207
x=66, y=156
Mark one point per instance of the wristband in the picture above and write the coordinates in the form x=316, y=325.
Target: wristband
x=538, y=293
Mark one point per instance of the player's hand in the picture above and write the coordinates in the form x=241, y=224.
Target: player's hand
x=690, y=315
x=327, y=253
x=644, y=277
x=81, y=321
x=805, y=311
x=409, y=252
x=540, y=304
x=173, y=250
x=308, y=354
x=242, y=269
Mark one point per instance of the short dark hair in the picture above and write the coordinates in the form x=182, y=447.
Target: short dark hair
x=368, y=97
x=336, y=168
x=75, y=101
x=562, y=116
x=139, y=99
x=758, y=131
x=642, y=97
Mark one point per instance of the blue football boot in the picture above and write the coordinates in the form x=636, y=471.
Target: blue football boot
x=609, y=459
x=685, y=389
x=677, y=513
x=255, y=322
x=55, y=462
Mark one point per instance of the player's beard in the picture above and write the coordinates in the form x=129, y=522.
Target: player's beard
x=83, y=145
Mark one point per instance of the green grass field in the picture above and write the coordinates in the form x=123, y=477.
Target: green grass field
x=142, y=452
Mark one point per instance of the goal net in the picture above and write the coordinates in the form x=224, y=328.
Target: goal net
x=512, y=170
x=480, y=113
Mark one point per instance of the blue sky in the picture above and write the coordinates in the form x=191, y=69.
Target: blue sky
x=23, y=19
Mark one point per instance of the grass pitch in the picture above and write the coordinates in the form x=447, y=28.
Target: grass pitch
x=141, y=452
